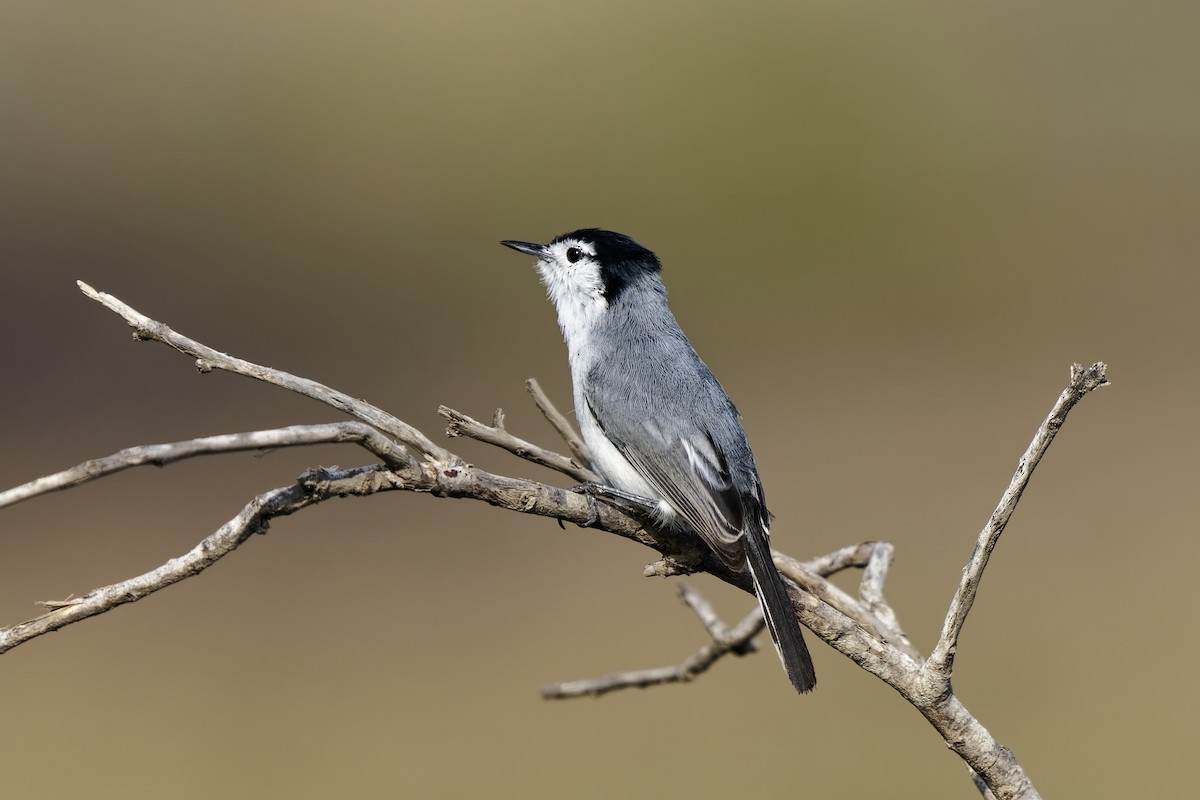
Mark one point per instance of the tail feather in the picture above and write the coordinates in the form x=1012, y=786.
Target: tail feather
x=777, y=608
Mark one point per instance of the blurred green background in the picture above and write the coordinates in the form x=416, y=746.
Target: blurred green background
x=889, y=228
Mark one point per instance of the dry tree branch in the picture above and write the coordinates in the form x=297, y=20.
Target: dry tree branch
x=864, y=628
x=254, y=518
x=709, y=617
x=868, y=632
x=815, y=584
x=208, y=359
x=558, y=421
x=160, y=455
x=462, y=425
x=941, y=662
x=312, y=487
x=738, y=640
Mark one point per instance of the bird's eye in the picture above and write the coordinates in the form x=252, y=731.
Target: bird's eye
x=574, y=254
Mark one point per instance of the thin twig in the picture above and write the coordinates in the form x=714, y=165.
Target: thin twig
x=579, y=450
x=708, y=616
x=716, y=627
x=811, y=577
x=980, y=785
x=851, y=556
x=732, y=640
x=818, y=586
x=159, y=455
x=870, y=588
x=874, y=559
x=460, y=424
x=940, y=666
x=253, y=518
x=208, y=359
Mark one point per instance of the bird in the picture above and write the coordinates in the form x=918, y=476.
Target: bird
x=657, y=422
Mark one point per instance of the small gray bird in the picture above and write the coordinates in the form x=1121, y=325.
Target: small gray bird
x=658, y=423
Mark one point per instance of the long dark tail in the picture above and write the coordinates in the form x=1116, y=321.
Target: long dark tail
x=777, y=608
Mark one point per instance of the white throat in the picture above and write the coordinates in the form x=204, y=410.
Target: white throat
x=577, y=292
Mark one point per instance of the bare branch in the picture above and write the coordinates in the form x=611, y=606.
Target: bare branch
x=868, y=632
x=253, y=518
x=861, y=613
x=315, y=486
x=579, y=450
x=941, y=662
x=462, y=425
x=709, y=618
x=159, y=455
x=852, y=556
x=865, y=629
x=737, y=640
x=208, y=359
x=808, y=575
x=870, y=588
x=980, y=785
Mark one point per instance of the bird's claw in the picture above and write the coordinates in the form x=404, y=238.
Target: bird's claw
x=625, y=502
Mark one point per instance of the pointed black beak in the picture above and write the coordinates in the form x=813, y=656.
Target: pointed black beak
x=528, y=248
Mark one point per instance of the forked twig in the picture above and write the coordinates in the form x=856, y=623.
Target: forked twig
x=579, y=450
x=462, y=425
x=738, y=640
x=940, y=666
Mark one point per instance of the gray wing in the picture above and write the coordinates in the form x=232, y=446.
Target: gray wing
x=683, y=459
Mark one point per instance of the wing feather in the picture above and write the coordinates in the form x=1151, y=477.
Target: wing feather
x=687, y=469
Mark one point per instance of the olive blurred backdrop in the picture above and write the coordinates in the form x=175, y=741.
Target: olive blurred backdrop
x=889, y=228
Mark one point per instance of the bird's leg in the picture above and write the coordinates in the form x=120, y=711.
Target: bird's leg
x=625, y=502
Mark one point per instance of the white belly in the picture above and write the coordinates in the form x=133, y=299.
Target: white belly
x=614, y=469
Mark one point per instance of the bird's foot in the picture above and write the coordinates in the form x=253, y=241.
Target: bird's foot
x=625, y=502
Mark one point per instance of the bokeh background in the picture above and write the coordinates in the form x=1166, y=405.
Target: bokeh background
x=889, y=228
